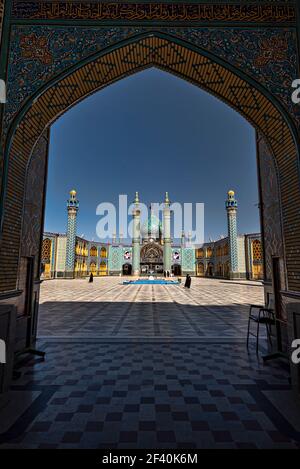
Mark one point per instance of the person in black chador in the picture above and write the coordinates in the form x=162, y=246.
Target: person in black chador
x=188, y=281
x=91, y=278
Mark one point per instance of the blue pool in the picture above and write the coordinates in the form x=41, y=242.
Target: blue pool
x=151, y=282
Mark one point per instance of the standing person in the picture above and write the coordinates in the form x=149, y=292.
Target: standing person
x=91, y=279
x=188, y=281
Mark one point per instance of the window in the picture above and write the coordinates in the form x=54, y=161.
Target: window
x=46, y=251
x=103, y=252
x=93, y=251
x=256, y=250
x=209, y=252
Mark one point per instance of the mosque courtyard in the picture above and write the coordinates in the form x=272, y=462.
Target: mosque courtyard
x=211, y=309
x=149, y=366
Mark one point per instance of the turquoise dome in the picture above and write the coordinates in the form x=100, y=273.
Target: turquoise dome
x=151, y=227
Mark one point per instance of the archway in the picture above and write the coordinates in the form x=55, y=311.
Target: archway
x=226, y=269
x=57, y=53
x=103, y=268
x=200, y=269
x=176, y=269
x=220, y=269
x=103, y=253
x=93, y=251
x=93, y=268
x=151, y=259
x=127, y=269
x=27, y=141
x=210, y=270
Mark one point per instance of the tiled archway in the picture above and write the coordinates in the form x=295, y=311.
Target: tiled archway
x=185, y=62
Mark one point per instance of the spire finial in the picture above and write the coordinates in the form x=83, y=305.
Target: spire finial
x=167, y=200
x=136, y=199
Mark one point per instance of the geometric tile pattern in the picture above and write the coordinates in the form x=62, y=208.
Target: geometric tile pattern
x=183, y=381
x=116, y=259
x=171, y=395
x=188, y=259
x=233, y=247
x=71, y=241
x=107, y=309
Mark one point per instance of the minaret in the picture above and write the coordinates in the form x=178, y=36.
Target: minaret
x=136, y=236
x=72, y=208
x=167, y=233
x=183, y=239
x=231, y=207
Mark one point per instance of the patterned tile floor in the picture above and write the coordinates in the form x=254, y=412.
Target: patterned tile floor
x=130, y=367
x=107, y=309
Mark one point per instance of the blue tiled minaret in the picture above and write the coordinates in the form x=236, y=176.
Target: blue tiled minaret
x=167, y=234
x=72, y=207
x=231, y=208
x=136, y=236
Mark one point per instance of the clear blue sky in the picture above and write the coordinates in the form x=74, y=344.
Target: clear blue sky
x=152, y=132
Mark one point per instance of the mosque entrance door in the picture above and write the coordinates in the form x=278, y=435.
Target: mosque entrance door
x=127, y=269
x=176, y=270
x=152, y=258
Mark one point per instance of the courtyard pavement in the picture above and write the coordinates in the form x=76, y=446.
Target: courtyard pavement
x=150, y=367
x=108, y=309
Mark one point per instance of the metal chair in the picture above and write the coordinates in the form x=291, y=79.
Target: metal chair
x=265, y=316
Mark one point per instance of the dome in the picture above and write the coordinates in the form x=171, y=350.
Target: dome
x=231, y=193
x=73, y=192
x=151, y=227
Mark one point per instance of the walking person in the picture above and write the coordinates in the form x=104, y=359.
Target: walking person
x=188, y=281
x=91, y=279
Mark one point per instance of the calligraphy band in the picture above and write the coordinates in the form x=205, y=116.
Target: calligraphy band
x=70, y=10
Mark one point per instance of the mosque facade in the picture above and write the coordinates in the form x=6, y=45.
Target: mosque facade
x=152, y=250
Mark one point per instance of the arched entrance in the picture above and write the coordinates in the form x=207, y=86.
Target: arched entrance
x=103, y=268
x=200, y=269
x=226, y=270
x=93, y=268
x=176, y=269
x=151, y=258
x=210, y=270
x=127, y=269
x=220, y=269
x=25, y=144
